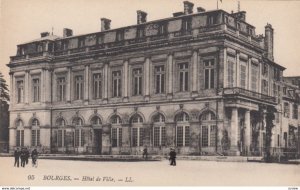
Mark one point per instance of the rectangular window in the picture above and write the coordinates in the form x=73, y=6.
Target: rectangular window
x=183, y=77
x=295, y=111
x=36, y=89
x=264, y=87
x=116, y=83
x=137, y=81
x=116, y=137
x=60, y=138
x=213, y=135
x=254, y=77
x=179, y=138
x=77, y=137
x=159, y=72
x=230, y=72
x=204, y=136
x=209, y=73
x=141, y=136
x=243, y=75
x=79, y=87
x=20, y=138
x=20, y=91
x=186, y=24
x=159, y=136
x=97, y=86
x=61, y=89
x=35, y=137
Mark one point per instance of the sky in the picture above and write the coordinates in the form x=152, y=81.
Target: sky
x=23, y=20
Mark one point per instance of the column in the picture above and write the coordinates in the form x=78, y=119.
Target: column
x=225, y=82
x=126, y=81
x=147, y=79
x=86, y=84
x=105, y=98
x=42, y=87
x=247, y=138
x=249, y=73
x=12, y=88
x=170, y=134
x=234, y=130
x=48, y=81
x=237, y=69
x=12, y=138
x=194, y=73
x=259, y=76
x=26, y=87
x=170, y=76
x=106, y=144
x=68, y=93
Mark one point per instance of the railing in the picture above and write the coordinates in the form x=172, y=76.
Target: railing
x=248, y=93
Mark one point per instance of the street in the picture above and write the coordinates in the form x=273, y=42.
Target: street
x=158, y=173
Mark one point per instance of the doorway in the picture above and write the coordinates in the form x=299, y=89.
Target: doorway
x=97, y=141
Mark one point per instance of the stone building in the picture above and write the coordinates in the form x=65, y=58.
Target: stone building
x=201, y=82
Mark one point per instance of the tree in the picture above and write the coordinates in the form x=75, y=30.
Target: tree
x=4, y=114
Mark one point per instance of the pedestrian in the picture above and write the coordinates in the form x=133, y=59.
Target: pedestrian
x=23, y=157
x=27, y=155
x=34, y=156
x=17, y=157
x=145, y=153
x=172, y=157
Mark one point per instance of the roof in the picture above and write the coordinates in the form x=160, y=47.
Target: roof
x=50, y=37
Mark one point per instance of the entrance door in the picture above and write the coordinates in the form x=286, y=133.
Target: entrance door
x=97, y=141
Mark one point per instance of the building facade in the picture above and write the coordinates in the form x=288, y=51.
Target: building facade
x=202, y=82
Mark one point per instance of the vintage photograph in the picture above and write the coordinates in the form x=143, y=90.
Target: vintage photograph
x=149, y=93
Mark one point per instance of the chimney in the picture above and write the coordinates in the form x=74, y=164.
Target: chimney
x=44, y=34
x=269, y=41
x=67, y=32
x=200, y=9
x=105, y=24
x=188, y=7
x=141, y=17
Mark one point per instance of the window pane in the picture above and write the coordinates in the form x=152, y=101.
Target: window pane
x=156, y=136
x=187, y=136
x=206, y=78
x=212, y=78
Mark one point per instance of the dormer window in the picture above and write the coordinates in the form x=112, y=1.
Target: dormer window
x=162, y=28
x=212, y=19
x=186, y=24
x=120, y=35
x=81, y=42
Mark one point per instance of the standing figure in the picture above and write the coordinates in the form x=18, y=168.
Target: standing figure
x=23, y=157
x=34, y=155
x=17, y=157
x=27, y=155
x=145, y=153
x=172, y=158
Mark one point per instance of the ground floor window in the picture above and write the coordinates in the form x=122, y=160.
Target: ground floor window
x=61, y=136
x=116, y=137
x=159, y=136
x=35, y=137
x=182, y=136
x=209, y=135
x=20, y=137
x=79, y=137
x=137, y=136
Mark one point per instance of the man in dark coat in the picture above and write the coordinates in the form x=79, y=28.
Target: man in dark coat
x=145, y=153
x=172, y=158
x=34, y=155
x=23, y=157
x=17, y=157
x=27, y=155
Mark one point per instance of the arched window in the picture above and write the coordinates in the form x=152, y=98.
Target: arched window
x=137, y=131
x=208, y=129
x=116, y=131
x=182, y=129
x=96, y=120
x=136, y=119
x=20, y=133
x=35, y=132
x=159, y=130
x=77, y=121
x=60, y=122
x=115, y=119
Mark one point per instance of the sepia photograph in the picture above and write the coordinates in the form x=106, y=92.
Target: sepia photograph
x=160, y=93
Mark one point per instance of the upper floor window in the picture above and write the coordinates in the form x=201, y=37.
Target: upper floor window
x=120, y=35
x=243, y=74
x=264, y=87
x=254, y=77
x=295, y=111
x=81, y=42
x=159, y=77
x=78, y=87
x=20, y=91
x=212, y=19
x=265, y=69
x=209, y=73
x=230, y=71
x=186, y=24
x=140, y=32
x=183, y=77
x=116, y=83
x=36, y=89
x=137, y=81
x=162, y=28
x=97, y=86
x=286, y=109
x=61, y=88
